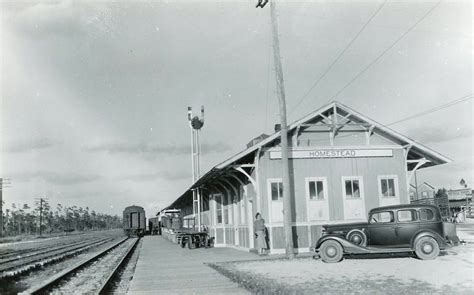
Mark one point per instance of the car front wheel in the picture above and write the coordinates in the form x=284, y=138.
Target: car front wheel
x=331, y=251
x=426, y=248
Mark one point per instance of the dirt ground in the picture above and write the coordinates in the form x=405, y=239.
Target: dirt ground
x=450, y=273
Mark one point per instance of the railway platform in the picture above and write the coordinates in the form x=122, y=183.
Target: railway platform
x=165, y=268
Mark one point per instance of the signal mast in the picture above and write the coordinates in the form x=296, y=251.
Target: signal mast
x=196, y=123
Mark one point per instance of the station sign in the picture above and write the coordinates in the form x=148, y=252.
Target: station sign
x=333, y=153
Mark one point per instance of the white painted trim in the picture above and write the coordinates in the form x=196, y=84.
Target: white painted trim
x=214, y=196
x=269, y=195
x=258, y=197
x=249, y=208
x=355, y=177
x=324, y=202
x=283, y=251
x=334, y=153
x=347, y=200
x=328, y=147
x=299, y=223
x=395, y=181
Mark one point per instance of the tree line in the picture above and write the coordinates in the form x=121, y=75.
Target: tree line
x=41, y=218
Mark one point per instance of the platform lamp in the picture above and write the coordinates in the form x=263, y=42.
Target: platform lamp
x=196, y=123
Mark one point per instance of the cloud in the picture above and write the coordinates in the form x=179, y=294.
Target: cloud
x=56, y=178
x=148, y=149
x=64, y=18
x=29, y=145
x=166, y=175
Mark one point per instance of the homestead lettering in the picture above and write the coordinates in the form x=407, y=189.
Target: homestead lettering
x=332, y=153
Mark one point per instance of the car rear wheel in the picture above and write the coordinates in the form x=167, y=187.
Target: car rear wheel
x=426, y=248
x=331, y=251
x=357, y=237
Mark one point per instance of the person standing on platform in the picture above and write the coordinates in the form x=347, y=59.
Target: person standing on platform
x=259, y=230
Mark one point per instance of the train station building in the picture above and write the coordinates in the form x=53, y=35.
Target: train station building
x=342, y=164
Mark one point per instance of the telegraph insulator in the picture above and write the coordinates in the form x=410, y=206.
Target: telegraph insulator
x=197, y=123
x=190, y=113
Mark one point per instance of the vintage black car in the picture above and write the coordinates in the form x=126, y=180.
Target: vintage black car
x=391, y=229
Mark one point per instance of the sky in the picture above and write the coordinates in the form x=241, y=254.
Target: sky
x=94, y=94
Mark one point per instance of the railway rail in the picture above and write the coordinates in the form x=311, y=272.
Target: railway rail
x=12, y=267
x=91, y=275
x=10, y=257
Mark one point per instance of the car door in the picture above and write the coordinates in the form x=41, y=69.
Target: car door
x=382, y=229
x=407, y=226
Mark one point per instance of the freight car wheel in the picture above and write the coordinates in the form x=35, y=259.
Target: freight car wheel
x=331, y=251
x=183, y=243
x=191, y=244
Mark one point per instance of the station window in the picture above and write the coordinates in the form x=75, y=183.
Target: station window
x=424, y=195
x=388, y=186
x=226, y=213
x=218, y=209
x=412, y=195
x=316, y=189
x=406, y=215
x=243, y=212
x=277, y=191
x=352, y=188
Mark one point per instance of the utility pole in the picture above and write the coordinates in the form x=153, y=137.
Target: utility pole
x=283, y=131
x=1, y=207
x=41, y=216
x=4, y=183
x=42, y=203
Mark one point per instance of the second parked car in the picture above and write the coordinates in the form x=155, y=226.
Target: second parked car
x=390, y=229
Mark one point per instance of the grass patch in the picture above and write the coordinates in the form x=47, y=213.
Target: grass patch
x=255, y=283
x=324, y=283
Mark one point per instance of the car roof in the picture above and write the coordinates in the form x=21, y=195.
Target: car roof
x=404, y=206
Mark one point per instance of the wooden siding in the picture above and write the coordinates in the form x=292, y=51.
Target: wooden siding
x=300, y=237
x=334, y=169
x=278, y=238
x=316, y=233
x=229, y=236
x=219, y=236
x=244, y=237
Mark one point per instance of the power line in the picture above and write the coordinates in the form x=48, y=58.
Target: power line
x=384, y=52
x=300, y=100
x=420, y=114
x=435, y=109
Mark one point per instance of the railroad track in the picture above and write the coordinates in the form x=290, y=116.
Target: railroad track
x=91, y=275
x=10, y=257
x=15, y=266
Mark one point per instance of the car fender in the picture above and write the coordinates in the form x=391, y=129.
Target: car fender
x=428, y=233
x=347, y=246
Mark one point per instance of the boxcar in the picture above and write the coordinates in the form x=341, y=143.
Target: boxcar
x=134, y=221
x=154, y=226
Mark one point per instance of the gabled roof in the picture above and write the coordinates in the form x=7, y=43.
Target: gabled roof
x=428, y=185
x=416, y=150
